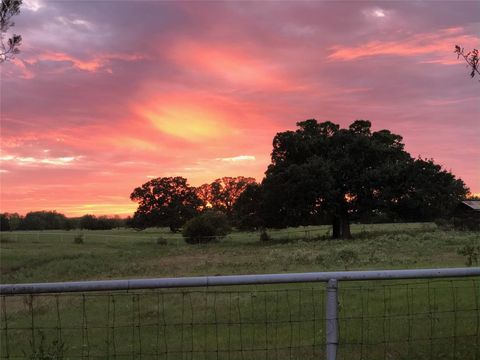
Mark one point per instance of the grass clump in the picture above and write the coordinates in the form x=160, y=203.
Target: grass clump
x=78, y=239
x=264, y=236
x=347, y=257
x=162, y=241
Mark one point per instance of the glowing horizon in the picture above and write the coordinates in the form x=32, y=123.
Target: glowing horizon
x=86, y=117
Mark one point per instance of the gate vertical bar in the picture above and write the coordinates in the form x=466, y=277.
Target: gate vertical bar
x=332, y=319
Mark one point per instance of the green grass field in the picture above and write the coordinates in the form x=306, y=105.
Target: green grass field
x=437, y=319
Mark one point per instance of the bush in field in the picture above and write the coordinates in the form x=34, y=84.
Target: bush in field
x=162, y=241
x=444, y=224
x=347, y=257
x=206, y=227
x=78, y=239
x=264, y=236
x=471, y=253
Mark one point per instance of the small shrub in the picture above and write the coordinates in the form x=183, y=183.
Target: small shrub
x=207, y=227
x=78, y=239
x=319, y=259
x=471, y=252
x=264, y=237
x=162, y=241
x=444, y=224
x=347, y=257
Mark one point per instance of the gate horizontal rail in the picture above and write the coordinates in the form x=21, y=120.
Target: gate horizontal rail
x=230, y=280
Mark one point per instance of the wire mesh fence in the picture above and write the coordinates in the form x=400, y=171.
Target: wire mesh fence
x=166, y=324
x=414, y=319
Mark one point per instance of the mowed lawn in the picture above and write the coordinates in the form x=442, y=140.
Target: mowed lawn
x=419, y=319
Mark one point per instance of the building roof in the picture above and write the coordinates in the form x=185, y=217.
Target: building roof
x=474, y=204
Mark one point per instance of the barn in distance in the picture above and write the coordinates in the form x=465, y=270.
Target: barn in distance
x=467, y=215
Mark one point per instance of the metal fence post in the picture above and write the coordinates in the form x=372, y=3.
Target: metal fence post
x=332, y=319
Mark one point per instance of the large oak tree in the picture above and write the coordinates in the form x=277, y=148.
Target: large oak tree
x=321, y=170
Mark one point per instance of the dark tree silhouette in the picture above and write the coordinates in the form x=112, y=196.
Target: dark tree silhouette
x=207, y=227
x=8, y=9
x=92, y=222
x=247, y=209
x=222, y=194
x=43, y=220
x=320, y=169
x=4, y=223
x=471, y=58
x=167, y=201
x=426, y=192
x=204, y=194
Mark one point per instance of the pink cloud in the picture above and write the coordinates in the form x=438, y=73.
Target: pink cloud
x=91, y=64
x=433, y=47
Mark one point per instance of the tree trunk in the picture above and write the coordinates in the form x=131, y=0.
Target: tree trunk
x=345, y=227
x=336, y=228
x=341, y=227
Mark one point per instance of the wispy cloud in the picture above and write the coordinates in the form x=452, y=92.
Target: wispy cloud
x=34, y=161
x=434, y=47
x=238, y=158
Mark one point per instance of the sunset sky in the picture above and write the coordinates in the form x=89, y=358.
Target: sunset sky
x=108, y=94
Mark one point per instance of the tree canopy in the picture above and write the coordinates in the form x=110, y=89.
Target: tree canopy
x=165, y=201
x=222, y=193
x=321, y=171
x=8, y=9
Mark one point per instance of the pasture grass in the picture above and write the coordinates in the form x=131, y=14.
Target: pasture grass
x=54, y=255
x=415, y=319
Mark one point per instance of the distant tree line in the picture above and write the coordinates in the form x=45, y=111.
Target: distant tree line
x=319, y=174
x=52, y=220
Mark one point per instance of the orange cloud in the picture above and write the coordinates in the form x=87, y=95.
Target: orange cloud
x=438, y=46
x=186, y=120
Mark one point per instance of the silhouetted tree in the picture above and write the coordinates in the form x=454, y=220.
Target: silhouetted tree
x=471, y=58
x=320, y=169
x=222, y=193
x=427, y=192
x=15, y=220
x=11, y=221
x=204, y=194
x=167, y=201
x=8, y=9
x=247, y=209
x=43, y=220
x=4, y=222
x=91, y=222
